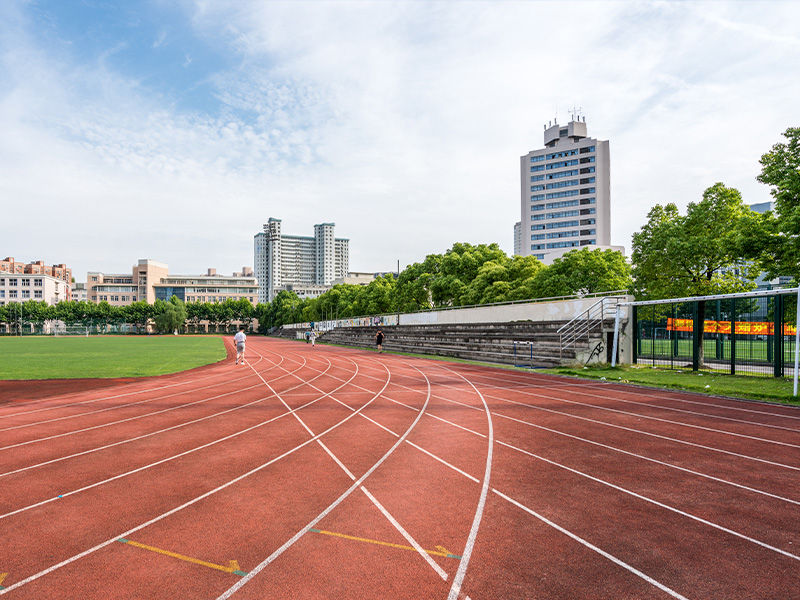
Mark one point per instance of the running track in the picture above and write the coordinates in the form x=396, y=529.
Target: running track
x=322, y=472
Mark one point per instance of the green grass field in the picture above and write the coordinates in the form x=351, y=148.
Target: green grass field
x=105, y=357
x=746, y=350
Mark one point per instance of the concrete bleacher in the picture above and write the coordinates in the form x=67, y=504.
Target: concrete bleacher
x=537, y=344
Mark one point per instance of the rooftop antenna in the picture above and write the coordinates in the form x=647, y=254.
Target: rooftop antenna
x=576, y=112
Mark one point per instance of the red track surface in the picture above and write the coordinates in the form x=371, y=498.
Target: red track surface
x=328, y=473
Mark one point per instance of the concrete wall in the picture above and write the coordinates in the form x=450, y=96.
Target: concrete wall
x=557, y=310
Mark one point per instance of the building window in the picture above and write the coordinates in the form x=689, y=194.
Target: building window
x=537, y=168
x=537, y=217
x=12, y=282
x=563, y=194
x=37, y=283
x=537, y=188
x=26, y=283
x=537, y=227
x=539, y=158
x=562, y=224
x=565, y=163
x=563, y=245
x=12, y=293
x=2, y=293
x=37, y=293
x=2, y=281
x=587, y=149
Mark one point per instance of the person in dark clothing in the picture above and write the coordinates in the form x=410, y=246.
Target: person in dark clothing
x=379, y=340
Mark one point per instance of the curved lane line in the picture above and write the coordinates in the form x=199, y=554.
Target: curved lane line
x=272, y=557
x=162, y=516
x=372, y=498
x=455, y=589
x=190, y=451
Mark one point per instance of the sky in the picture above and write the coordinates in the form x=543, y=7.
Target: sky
x=174, y=129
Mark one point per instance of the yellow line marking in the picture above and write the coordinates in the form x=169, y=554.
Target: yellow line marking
x=232, y=565
x=440, y=551
x=2, y=577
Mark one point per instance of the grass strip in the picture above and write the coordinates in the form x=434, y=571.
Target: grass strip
x=44, y=357
x=772, y=389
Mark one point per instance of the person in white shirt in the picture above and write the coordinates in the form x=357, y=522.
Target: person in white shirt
x=312, y=336
x=239, y=340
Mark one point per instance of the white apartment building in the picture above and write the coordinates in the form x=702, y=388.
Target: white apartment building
x=210, y=287
x=566, y=195
x=305, y=265
x=22, y=287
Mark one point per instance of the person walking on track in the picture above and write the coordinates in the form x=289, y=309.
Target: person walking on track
x=379, y=340
x=239, y=339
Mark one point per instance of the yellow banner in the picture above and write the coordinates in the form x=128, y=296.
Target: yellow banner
x=742, y=327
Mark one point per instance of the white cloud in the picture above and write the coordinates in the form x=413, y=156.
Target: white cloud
x=402, y=122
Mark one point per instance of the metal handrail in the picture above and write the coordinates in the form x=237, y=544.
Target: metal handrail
x=586, y=322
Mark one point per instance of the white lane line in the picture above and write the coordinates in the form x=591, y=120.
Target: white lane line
x=146, y=435
x=117, y=407
x=272, y=557
x=765, y=413
x=707, y=416
x=190, y=451
x=654, y=502
x=137, y=389
x=642, y=416
x=455, y=425
x=647, y=458
x=580, y=540
x=592, y=547
x=420, y=550
x=150, y=414
x=649, y=434
x=379, y=506
x=191, y=502
x=126, y=394
x=444, y=462
x=458, y=580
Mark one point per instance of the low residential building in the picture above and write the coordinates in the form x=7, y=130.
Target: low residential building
x=79, y=292
x=21, y=287
x=210, y=287
x=62, y=272
x=121, y=289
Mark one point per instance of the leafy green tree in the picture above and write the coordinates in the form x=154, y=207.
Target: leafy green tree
x=501, y=280
x=774, y=238
x=583, y=271
x=697, y=254
x=693, y=255
x=170, y=316
x=459, y=267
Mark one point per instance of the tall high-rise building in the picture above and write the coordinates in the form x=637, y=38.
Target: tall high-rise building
x=306, y=265
x=566, y=196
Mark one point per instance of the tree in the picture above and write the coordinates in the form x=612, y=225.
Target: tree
x=696, y=254
x=584, y=271
x=169, y=315
x=775, y=239
x=693, y=255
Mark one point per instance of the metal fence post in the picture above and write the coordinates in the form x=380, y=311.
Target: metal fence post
x=637, y=337
x=777, y=337
x=733, y=336
x=697, y=336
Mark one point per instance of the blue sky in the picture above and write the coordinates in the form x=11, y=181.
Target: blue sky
x=173, y=130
